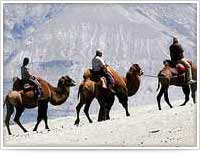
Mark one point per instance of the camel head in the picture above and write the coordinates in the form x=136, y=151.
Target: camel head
x=66, y=81
x=136, y=70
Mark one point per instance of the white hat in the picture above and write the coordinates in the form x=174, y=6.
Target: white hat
x=99, y=51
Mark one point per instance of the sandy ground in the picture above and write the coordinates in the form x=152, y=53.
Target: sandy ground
x=146, y=127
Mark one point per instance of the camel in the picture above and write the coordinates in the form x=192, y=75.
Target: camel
x=20, y=100
x=126, y=87
x=170, y=76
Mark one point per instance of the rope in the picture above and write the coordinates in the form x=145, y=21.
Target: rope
x=155, y=76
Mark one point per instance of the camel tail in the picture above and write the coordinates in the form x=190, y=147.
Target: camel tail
x=158, y=85
x=5, y=101
x=78, y=93
x=159, y=77
x=80, y=88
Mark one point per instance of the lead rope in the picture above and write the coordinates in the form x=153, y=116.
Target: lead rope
x=154, y=76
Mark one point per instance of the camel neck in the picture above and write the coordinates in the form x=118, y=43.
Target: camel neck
x=59, y=95
x=132, y=83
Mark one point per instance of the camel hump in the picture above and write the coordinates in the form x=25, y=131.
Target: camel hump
x=15, y=97
x=87, y=74
x=116, y=76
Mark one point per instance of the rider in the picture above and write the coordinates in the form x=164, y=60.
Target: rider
x=27, y=77
x=99, y=68
x=176, y=54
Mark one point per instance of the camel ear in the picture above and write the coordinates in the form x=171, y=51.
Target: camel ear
x=137, y=65
x=132, y=68
x=61, y=82
x=67, y=78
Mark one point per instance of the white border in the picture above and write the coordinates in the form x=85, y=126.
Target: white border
x=1, y=77
x=99, y=1
x=101, y=148
x=198, y=77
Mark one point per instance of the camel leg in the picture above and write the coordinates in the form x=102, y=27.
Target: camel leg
x=125, y=105
x=105, y=112
x=193, y=90
x=186, y=91
x=167, y=97
x=78, y=108
x=111, y=101
x=108, y=114
x=123, y=99
x=101, y=114
x=86, y=110
x=39, y=119
x=19, y=111
x=159, y=97
x=104, y=105
x=42, y=114
x=45, y=108
x=10, y=110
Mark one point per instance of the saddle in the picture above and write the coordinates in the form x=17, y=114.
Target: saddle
x=176, y=68
x=100, y=77
x=26, y=87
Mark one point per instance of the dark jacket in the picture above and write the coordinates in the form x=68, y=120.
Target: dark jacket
x=176, y=52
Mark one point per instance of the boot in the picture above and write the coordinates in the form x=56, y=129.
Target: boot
x=39, y=94
x=189, y=78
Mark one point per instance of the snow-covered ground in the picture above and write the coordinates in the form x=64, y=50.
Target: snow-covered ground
x=146, y=127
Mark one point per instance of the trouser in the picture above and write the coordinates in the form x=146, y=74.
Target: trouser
x=36, y=84
x=188, y=68
x=109, y=79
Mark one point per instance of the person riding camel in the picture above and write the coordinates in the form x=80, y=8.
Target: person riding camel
x=99, y=69
x=176, y=54
x=28, y=78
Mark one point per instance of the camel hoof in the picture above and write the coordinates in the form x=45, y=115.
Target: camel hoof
x=90, y=121
x=127, y=114
x=47, y=128
x=76, y=123
x=34, y=129
x=25, y=131
x=183, y=104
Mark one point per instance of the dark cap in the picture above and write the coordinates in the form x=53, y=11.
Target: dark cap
x=26, y=61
